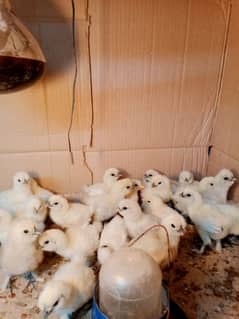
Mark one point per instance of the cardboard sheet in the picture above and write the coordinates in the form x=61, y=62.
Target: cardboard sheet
x=150, y=71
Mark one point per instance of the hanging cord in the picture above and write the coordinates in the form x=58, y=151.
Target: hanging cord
x=169, y=255
x=73, y=101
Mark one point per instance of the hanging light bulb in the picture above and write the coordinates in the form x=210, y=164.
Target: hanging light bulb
x=21, y=59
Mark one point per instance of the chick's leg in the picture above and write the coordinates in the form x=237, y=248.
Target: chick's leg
x=205, y=239
x=218, y=247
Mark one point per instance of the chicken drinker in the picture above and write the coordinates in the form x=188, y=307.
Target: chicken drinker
x=130, y=284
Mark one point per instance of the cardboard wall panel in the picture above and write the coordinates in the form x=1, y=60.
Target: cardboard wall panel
x=53, y=169
x=157, y=80
x=155, y=65
x=136, y=162
x=225, y=134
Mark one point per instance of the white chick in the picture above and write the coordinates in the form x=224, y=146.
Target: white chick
x=160, y=187
x=34, y=209
x=20, y=253
x=43, y=193
x=154, y=205
x=215, y=189
x=185, y=179
x=105, y=206
x=71, y=287
x=111, y=176
x=18, y=194
x=113, y=237
x=135, y=220
x=81, y=242
x=137, y=187
x=162, y=248
x=180, y=203
x=67, y=214
x=147, y=178
x=5, y=223
x=210, y=223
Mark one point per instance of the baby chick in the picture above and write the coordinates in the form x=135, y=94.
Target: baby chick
x=210, y=223
x=5, y=223
x=20, y=253
x=111, y=176
x=18, y=194
x=147, y=178
x=78, y=241
x=185, y=179
x=113, y=237
x=105, y=205
x=154, y=205
x=43, y=193
x=34, y=209
x=160, y=186
x=67, y=214
x=137, y=187
x=162, y=248
x=71, y=287
x=135, y=220
x=215, y=189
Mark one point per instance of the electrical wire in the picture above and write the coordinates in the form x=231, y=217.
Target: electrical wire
x=73, y=100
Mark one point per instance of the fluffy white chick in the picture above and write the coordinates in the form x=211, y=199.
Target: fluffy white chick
x=18, y=194
x=71, y=287
x=105, y=205
x=43, y=193
x=111, y=176
x=185, y=179
x=210, y=223
x=154, y=205
x=81, y=242
x=137, y=187
x=66, y=214
x=215, y=189
x=135, y=220
x=160, y=186
x=180, y=203
x=161, y=247
x=5, y=223
x=113, y=237
x=20, y=253
x=147, y=178
x=34, y=209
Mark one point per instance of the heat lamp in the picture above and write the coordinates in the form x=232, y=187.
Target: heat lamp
x=21, y=59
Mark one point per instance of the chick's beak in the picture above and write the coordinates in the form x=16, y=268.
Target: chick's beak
x=46, y=313
x=181, y=230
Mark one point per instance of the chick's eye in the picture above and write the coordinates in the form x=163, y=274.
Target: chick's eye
x=149, y=201
x=128, y=187
x=56, y=203
x=226, y=178
x=159, y=183
x=19, y=180
x=46, y=242
x=211, y=184
x=125, y=208
x=56, y=303
x=173, y=225
x=112, y=174
x=135, y=185
x=150, y=175
x=26, y=231
x=188, y=195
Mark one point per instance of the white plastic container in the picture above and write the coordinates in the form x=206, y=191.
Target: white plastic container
x=130, y=286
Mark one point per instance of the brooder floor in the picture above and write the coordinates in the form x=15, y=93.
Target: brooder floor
x=204, y=286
